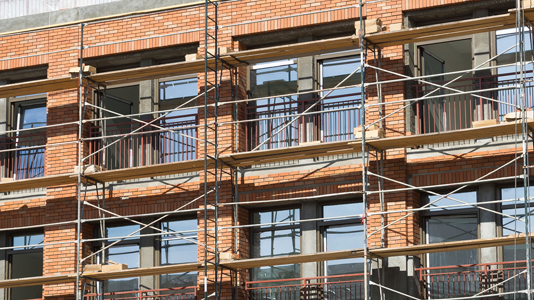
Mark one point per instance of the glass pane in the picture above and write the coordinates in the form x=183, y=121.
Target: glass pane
x=339, y=125
x=513, y=193
x=286, y=215
x=449, y=229
x=121, y=285
x=175, y=250
x=180, y=89
x=32, y=117
x=121, y=231
x=124, y=254
x=30, y=163
x=275, y=243
x=512, y=226
x=468, y=197
x=27, y=240
x=454, y=281
x=179, y=280
x=277, y=272
x=276, y=80
x=273, y=81
x=508, y=38
x=350, y=209
x=344, y=238
x=336, y=70
x=26, y=265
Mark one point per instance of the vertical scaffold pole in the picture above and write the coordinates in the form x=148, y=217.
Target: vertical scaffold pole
x=524, y=139
x=211, y=158
x=363, y=57
x=80, y=155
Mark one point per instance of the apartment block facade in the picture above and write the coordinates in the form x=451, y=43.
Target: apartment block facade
x=215, y=149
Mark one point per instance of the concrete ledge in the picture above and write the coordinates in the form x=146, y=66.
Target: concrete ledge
x=84, y=13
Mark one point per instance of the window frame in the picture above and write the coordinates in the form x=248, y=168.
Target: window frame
x=254, y=230
x=10, y=252
x=173, y=103
x=323, y=225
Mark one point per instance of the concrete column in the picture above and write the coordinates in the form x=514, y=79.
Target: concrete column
x=4, y=111
x=482, y=52
x=147, y=256
x=147, y=100
x=309, y=241
x=3, y=263
x=488, y=222
x=306, y=74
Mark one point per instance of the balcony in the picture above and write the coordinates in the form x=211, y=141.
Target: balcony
x=23, y=156
x=469, y=280
x=178, y=293
x=334, y=119
x=129, y=144
x=441, y=112
x=340, y=287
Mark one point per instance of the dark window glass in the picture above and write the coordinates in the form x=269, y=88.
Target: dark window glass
x=26, y=262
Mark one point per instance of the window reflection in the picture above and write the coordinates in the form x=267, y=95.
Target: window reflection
x=343, y=234
x=513, y=226
x=271, y=80
x=276, y=240
x=439, y=201
x=125, y=252
x=175, y=250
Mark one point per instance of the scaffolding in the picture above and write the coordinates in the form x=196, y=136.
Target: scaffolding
x=216, y=167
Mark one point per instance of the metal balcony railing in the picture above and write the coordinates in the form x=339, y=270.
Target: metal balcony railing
x=340, y=287
x=179, y=293
x=28, y=160
x=149, y=146
x=506, y=278
x=441, y=112
x=332, y=120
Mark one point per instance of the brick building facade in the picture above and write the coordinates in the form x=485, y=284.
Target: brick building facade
x=307, y=204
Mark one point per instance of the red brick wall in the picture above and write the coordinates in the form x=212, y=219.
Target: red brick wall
x=60, y=203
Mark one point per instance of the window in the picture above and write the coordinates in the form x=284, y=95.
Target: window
x=337, y=233
x=178, y=248
x=26, y=261
x=27, y=113
x=447, y=225
x=333, y=119
x=178, y=145
x=268, y=81
x=336, y=122
x=511, y=226
x=509, y=75
x=124, y=152
x=452, y=224
x=124, y=252
x=275, y=240
x=438, y=112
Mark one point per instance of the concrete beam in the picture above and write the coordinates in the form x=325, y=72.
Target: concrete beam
x=84, y=13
